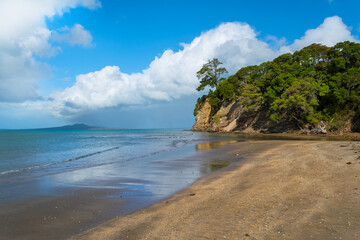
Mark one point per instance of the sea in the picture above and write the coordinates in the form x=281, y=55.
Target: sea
x=28, y=154
x=117, y=170
x=136, y=162
x=79, y=179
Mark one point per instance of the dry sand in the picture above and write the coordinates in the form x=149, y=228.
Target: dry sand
x=290, y=190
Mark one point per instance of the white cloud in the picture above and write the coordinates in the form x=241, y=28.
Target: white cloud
x=275, y=42
x=330, y=32
x=76, y=35
x=168, y=77
x=18, y=75
x=173, y=74
x=24, y=35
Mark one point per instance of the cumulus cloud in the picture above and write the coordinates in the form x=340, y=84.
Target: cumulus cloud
x=76, y=35
x=173, y=74
x=23, y=36
x=330, y=32
x=168, y=77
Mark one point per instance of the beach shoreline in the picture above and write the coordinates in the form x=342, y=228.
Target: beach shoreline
x=289, y=190
x=61, y=204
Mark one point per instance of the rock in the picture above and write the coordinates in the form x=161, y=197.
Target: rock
x=224, y=120
x=305, y=131
x=348, y=163
x=319, y=130
x=202, y=117
x=233, y=116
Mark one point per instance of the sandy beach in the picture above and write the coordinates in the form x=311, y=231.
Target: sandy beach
x=282, y=190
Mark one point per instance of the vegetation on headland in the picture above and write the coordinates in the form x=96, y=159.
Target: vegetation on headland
x=209, y=74
x=317, y=83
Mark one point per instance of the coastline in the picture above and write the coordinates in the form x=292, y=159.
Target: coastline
x=258, y=135
x=58, y=205
x=288, y=190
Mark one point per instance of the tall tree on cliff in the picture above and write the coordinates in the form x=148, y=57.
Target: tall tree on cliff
x=209, y=74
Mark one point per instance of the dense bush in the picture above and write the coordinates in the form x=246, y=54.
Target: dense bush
x=313, y=84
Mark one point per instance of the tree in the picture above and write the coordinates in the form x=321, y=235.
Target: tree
x=317, y=83
x=209, y=74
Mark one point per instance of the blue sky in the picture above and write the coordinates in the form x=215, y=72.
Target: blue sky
x=123, y=64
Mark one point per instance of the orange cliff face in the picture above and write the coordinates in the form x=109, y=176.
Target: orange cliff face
x=202, y=117
x=232, y=116
x=224, y=120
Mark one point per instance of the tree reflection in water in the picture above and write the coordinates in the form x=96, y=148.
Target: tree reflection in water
x=213, y=145
x=212, y=165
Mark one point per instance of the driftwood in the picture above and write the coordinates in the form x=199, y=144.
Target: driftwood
x=319, y=129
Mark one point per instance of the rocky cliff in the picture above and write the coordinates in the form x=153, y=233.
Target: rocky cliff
x=314, y=90
x=226, y=119
x=232, y=116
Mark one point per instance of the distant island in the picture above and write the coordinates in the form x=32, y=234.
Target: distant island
x=71, y=127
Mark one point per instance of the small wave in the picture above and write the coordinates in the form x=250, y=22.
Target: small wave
x=175, y=144
x=104, y=137
x=179, y=143
x=56, y=163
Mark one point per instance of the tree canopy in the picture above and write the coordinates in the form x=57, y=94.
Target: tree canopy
x=209, y=74
x=313, y=84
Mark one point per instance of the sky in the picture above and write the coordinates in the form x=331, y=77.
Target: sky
x=133, y=64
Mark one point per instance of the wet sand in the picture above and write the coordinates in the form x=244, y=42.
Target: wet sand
x=282, y=190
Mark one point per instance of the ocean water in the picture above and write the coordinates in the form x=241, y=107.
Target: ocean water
x=29, y=154
x=57, y=183
x=56, y=159
x=24, y=152
x=81, y=178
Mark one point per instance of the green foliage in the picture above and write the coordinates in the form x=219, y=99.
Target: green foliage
x=199, y=102
x=215, y=101
x=216, y=119
x=209, y=74
x=313, y=84
x=252, y=98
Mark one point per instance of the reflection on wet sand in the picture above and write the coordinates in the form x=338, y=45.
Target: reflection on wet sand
x=211, y=166
x=213, y=145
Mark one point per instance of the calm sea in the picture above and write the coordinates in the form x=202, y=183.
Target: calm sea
x=63, y=158
x=82, y=178
x=27, y=153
